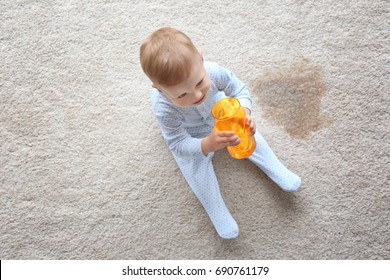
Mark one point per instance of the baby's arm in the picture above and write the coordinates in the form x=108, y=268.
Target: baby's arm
x=228, y=82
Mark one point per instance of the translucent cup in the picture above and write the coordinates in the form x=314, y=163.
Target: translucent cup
x=229, y=115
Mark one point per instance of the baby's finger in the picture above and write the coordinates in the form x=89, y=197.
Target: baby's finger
x=234, y=141
x=225, y=133
x=252, y=126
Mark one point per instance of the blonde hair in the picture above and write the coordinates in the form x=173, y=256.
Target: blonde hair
x=166, y=56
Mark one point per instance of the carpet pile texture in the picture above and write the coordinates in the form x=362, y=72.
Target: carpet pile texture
x=85, y=173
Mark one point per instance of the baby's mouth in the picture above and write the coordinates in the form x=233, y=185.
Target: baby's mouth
x=200, y=100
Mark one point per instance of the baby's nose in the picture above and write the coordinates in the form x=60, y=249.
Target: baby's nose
x=198, y=93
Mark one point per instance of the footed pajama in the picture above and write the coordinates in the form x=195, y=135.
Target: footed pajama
x=184, y=127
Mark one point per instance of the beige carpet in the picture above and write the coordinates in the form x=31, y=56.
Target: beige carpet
x=85, y=174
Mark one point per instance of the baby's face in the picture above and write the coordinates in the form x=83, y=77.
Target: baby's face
x=193, y=90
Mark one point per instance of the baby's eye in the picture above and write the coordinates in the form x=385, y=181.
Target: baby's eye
x=200, y=83
x=181, y=96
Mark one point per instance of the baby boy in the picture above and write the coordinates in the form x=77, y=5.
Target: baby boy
x=185, y=88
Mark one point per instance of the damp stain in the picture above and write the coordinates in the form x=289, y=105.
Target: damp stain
x=291, y=97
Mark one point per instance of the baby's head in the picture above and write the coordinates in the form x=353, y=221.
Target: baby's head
x=166, y=56
x=174, y=65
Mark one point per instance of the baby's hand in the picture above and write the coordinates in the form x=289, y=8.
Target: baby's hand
x=218, y=140
x=250, y=122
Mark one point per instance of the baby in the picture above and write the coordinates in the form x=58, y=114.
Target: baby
x=185, y=88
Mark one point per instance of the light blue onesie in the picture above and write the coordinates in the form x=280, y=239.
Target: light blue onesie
x=184, y=127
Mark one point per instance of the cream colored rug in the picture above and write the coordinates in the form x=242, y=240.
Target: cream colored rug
x=85, y=174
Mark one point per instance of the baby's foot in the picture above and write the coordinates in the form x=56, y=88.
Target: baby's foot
x=228, y=230
x=265, y=158
x=289, y=181
x=223, y=222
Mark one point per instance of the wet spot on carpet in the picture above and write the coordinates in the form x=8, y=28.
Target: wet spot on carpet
x=291, y=97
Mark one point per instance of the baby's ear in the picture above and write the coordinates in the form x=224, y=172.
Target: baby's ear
x=201, y=54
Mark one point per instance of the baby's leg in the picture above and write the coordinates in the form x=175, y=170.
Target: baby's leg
x=266, y=160
x=200, y=175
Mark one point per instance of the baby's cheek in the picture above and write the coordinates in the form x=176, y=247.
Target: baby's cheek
x=206, y=87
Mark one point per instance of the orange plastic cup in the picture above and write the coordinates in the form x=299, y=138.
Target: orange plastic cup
x=229, y=115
